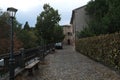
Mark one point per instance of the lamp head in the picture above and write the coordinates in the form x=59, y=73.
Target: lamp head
x=12, y=11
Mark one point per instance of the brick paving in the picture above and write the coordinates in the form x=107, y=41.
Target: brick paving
x=67, y=64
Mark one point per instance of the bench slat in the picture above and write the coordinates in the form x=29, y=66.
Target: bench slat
x=32, y=64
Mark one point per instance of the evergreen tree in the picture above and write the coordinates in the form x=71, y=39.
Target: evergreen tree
x=26, y=26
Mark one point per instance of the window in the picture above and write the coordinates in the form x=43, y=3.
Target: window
x=69, y=34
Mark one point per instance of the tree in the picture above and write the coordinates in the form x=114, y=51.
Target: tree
x=58, y=34
x=86, y=32
x=105, y=16
x=113, y=16
x=97, y=8
x=28, y=38
x=26, y=26
x=46, y=23
x=5, y=35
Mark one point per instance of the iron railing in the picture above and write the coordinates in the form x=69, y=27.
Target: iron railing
x=23, y=56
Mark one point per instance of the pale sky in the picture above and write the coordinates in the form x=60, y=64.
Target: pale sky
x=28, y=10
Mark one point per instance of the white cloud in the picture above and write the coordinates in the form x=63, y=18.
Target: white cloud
x=22, y=5
x=29, y=4
x=32, y=8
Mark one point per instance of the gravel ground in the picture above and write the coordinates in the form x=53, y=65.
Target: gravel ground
x=67, y=64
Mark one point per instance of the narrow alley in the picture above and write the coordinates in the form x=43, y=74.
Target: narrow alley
x=67, y=64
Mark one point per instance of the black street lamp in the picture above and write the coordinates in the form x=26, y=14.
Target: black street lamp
x=12, y=11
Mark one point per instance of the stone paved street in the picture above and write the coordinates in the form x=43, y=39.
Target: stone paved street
x=67, y=64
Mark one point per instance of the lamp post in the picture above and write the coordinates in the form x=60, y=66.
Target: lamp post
x=12, y=11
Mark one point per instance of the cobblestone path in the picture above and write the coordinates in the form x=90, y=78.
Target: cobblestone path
x=67, y=64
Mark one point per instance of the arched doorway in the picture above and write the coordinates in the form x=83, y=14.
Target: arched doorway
x=68, y=41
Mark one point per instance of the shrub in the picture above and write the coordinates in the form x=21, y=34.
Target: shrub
x=104, y=48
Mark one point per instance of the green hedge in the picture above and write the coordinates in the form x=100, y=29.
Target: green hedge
x=104, y=48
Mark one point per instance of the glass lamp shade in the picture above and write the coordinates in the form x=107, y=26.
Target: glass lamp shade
x=12, y=11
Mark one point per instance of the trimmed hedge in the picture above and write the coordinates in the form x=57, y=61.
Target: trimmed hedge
x=104, y=48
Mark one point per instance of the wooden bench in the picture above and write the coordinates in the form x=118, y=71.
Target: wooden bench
x=32, y=65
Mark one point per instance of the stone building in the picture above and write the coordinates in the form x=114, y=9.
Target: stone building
x=68, y=32
x=79, y=20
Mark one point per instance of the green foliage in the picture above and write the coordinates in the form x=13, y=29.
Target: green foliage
x=46, y=23
x=26, y=35
x=26, y=26
x=85, y=33
x=97, y=8
x=28, y=38
x=104, y=48
x=58, y=34
x=4, y=34
x=113, y=15
x=23, y=37
x=105, y=16
x=5, y=26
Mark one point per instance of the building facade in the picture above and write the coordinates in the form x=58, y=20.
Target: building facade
x=79, y=20
x=68, y=32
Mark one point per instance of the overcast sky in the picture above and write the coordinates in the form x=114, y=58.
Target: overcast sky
x=28, y=10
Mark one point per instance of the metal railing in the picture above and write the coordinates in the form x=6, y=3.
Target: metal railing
x=23, y=56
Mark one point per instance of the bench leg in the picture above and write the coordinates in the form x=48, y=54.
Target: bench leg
x=36, y=67
x=30, y=72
